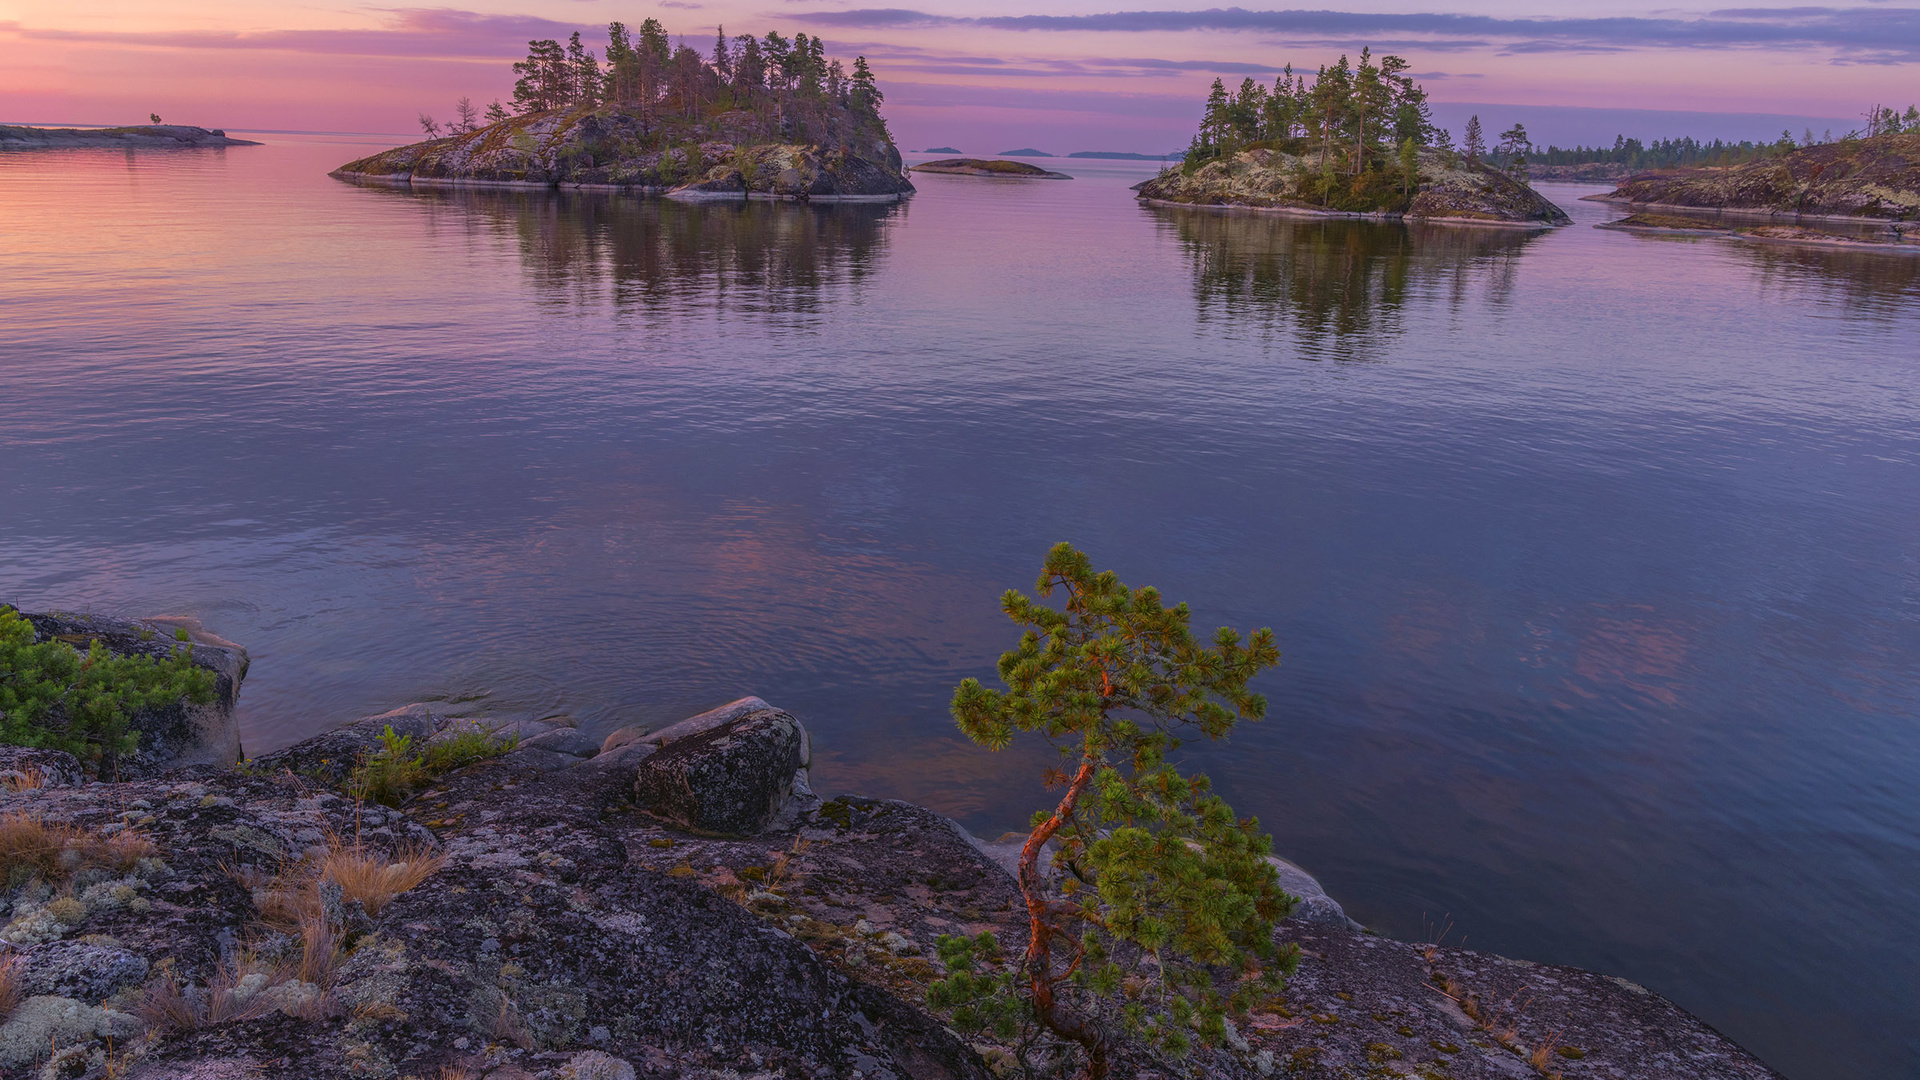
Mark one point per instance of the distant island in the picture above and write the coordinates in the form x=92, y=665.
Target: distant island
x=143, y=137
x=939, y=150
x=989, y=167
x=1026, y=152
x=1110, y=155
x=1356, y=141
x=761, y=118
x=1876, y=178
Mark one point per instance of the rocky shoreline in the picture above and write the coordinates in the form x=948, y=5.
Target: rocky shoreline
x=1875, y=236
x=1875, y=179
x=148, y=137
x=671, y=903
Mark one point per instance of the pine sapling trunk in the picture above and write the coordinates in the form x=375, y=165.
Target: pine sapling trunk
x=1041, y=929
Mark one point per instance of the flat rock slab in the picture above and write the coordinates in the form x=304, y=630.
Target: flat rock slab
x=731, y=780
x=144, y=137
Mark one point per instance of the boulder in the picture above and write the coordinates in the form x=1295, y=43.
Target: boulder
x=730, y=780
x=173, y=736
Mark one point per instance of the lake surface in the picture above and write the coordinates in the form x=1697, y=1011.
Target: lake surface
x=1595, y=558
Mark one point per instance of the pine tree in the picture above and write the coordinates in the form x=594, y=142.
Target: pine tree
x=1409, y=166
x=495, y=113
x=1162, y=873
x=583, y=73
x=1217, y=122
x=427, y=125
x=544, y=79
x=1514, y=146
x=865, y=91
x=1476, y=143
x=468, y=116
x=722, y=55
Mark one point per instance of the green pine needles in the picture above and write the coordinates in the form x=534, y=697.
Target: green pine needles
x=1162, y=922
x=56, y=697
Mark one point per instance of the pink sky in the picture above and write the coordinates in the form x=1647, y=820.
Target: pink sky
x=982, y=77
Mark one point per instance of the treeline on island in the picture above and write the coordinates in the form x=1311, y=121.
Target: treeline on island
x=1688, y=152
x=789, y=82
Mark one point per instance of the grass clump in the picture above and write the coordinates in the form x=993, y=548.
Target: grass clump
x=31, y=847
x=391, y=774
x=55, y=697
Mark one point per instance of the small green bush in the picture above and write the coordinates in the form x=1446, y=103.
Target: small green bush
x=393, y=773
x=55, y=697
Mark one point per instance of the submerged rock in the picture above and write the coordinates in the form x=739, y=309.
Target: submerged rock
x=1450, y=190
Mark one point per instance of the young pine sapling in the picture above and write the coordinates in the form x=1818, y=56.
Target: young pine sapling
x=1162, y=921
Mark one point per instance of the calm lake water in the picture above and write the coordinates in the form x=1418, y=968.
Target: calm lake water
x=1595, y=558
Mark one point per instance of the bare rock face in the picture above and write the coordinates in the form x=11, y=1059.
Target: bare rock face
x=142, y=137
x=1450, y=190
x=730, y=780
x=178, y=735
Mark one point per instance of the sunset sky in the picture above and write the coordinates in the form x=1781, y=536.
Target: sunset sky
x=983, y=76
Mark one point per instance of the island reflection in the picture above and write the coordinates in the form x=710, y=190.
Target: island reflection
x=1335, y=288
x=757, y=257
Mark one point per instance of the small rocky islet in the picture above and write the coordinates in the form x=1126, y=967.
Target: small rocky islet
x=144, y=137
x=670, y=903
x=842, y=155
x=1450, y=189
x=993, y=167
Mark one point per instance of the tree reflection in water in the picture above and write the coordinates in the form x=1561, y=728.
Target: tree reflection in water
x=1334, y=288
x=664, y=257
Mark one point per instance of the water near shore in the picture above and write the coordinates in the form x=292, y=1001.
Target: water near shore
x=1593, y=555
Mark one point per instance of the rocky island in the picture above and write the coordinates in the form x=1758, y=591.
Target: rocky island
x=765, y=118
x=1447, y=189
x=428, y=893
x=989, y=167
x=1357, y=140
x=145, y=137
x=1867, y=179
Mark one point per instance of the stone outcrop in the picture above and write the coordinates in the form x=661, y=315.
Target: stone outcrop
x=738, y=155
x=994, y=167
x=730, y=780
x=565, y=929
x=1877, y=179
x=1450, y=190
x=177, y=735
x=147, y=137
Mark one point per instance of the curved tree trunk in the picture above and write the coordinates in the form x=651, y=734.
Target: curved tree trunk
x=1042, y=928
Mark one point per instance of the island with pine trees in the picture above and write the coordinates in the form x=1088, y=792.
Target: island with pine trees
x=1355, y=141
x=154, y=136
x=761, y=117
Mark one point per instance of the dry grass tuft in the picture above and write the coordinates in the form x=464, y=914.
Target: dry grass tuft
x=169, y=1004
x=27, y=779
x=55, y=851
x=10, y=989
x=288, y=900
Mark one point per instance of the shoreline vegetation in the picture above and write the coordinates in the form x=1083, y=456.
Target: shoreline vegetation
x=436, y=891
x=757, y=118
x=155, y=136
x=1874, y=178
x=1357, y=140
